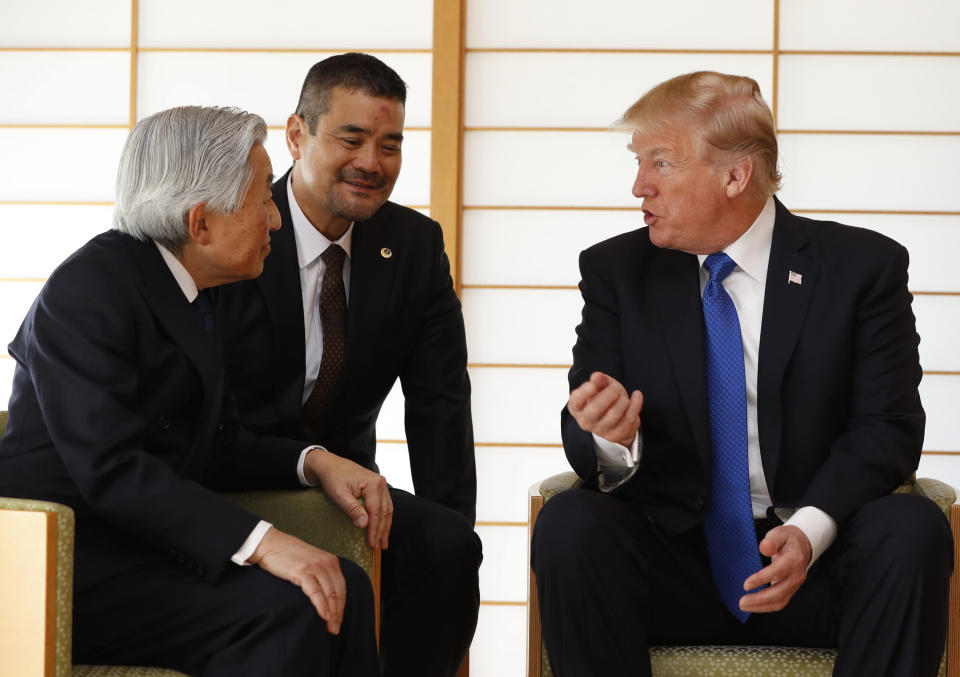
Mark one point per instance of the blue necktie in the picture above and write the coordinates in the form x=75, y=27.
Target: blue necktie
x=728, y=522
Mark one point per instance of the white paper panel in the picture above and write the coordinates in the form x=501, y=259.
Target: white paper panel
x=612, y=24
x=59, y=164
x=874, y=172
x=286, y=24
x=518, y=405
x=390, y=422
x=931, y=240
x=413, y=186
x=938, y=323
x=263, y=83
x=527, y=326
x=500, y=645
x=15, y=299
x=581, y=90
x=940, y=395
x=36, y=85
x=890, y=25
x=943, y=468
x=503, y=576
x=394, y=463
x=7, y=366
x=37, y=238
x=548, y=168
x=66, y=23
x=544, y=246
x=869, y=93
x=505, y=474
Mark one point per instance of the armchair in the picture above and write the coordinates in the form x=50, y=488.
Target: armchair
x=36, y=573
x=747, y=661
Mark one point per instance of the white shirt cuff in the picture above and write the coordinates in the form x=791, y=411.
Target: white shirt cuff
x=302, y=460
x=819, y=528
x=250, y=545
x=615, y=462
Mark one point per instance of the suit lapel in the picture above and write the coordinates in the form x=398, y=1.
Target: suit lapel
x=681, y=317
x=181, y=323
x=785, y=305
x=281, y=280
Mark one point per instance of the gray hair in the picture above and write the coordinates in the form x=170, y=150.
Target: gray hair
x=178, y=158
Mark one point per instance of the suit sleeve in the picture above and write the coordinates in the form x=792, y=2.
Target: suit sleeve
x=83, y=353
x=881, y=443
x=598, y=348
x=436, y=391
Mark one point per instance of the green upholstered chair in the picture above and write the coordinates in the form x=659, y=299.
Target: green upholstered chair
x=747, y=661
x=36, y=573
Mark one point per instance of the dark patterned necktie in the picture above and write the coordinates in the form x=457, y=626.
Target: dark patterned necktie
x=728, y=522
x=203, y=308
x=333, y=321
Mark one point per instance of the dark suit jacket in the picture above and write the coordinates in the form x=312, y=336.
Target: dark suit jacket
x=839, y=414
x=403, y=320
x=119, y=410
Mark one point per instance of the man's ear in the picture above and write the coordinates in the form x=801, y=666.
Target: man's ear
x=738, y=176
x=197, y=224
x=296, y=128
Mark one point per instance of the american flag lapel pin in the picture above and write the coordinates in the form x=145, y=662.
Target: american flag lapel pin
x=794, y=278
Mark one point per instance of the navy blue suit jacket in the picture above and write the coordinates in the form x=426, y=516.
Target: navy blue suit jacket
x=839, y=414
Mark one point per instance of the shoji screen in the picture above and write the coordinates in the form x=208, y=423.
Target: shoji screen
x=867, y=110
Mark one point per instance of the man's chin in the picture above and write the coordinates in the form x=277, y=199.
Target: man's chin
x=356, y=210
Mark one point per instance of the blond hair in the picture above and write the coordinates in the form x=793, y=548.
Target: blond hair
x=729, y=114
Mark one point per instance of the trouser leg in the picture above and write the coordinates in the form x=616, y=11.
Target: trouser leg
x=430, y=589
x=609, y=582
x=248, y=624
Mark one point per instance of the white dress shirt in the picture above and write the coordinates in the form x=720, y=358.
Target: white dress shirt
x=746, y=285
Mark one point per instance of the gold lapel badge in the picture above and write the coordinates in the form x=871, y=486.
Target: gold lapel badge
x=386, y=253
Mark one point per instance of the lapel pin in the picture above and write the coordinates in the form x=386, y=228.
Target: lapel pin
x=386, y=253
x=794, y=278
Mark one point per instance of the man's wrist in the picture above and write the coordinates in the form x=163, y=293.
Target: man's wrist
x=308, y=470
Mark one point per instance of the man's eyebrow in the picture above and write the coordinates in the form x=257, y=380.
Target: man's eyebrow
x=396, y=136
x=353, y=129
x=651, y=151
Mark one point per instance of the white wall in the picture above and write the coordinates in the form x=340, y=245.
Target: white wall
x=542, y=180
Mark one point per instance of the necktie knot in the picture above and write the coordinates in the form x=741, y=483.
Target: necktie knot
x=333, y=257
x=204, y=309
x=719, y=266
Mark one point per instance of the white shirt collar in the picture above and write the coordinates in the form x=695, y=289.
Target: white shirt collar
x=311, y=243
x=751, y=251
x=180, y=273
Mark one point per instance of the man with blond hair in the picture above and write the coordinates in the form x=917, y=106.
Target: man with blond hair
x=773, y=363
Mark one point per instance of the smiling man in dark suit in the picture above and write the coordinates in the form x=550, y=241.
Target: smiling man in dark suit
x=773, y=363
x=356, y=294
x=120, y=410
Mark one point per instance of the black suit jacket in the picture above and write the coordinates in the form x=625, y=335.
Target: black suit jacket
x=403, y=321
x=839, y=414
x=119, y=410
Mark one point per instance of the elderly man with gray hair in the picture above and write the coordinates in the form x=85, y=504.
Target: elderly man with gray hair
x=120, y=410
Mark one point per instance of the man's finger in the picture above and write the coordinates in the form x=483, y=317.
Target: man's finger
x=580, y=395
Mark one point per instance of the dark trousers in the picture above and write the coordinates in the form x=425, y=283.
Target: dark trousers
x=430, y=589
x=611, y=583
x=248, y=624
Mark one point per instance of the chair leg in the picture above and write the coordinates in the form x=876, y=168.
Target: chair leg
x=534, y=632
x=953, y=619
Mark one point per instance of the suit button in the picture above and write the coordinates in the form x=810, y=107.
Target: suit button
x=698, y=504
x=219, y=428
x=163, y=422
